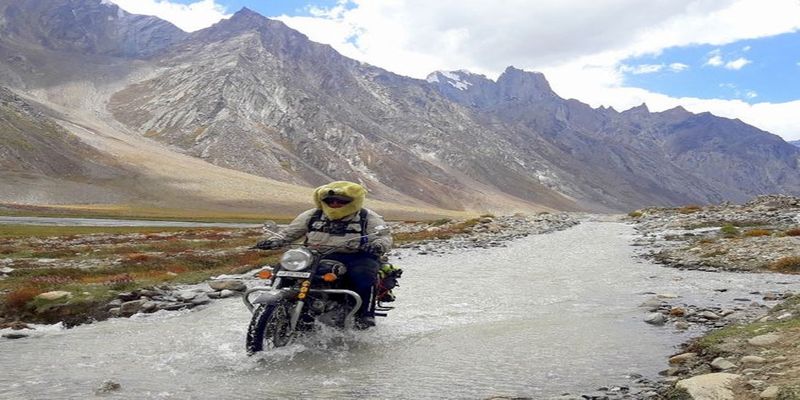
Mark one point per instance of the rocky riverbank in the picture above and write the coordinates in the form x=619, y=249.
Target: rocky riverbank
x=750, y=351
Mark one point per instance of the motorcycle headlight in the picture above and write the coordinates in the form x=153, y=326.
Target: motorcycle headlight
x=296, y=259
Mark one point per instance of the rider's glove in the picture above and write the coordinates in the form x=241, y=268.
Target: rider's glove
x=270, y=244
x=374, y=248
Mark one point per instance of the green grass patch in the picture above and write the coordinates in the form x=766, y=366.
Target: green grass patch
x=713, y=338
x=729, y=230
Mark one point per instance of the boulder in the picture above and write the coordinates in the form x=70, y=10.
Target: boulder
x=764, y=340
x=226, y=293
x=186, y=295
x=129, y=308
x=201, y=298
x=237, y=286
x=721, y=364
x=655, y=319
x=54, y=295
x=716, y=386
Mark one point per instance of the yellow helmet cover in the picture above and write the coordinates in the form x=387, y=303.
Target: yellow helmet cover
x=340, y=188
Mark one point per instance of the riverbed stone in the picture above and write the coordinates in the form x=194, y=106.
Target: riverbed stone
x=721, y=364
x=709, y=315
x=228, y=284
x=107, y=386
x=15, y=335
x=655, y=319
x=770, y=392
x=752, y=360
x=186, y=295
x=764, y=340
x=715, y=386
x=54, y=295
x=129, y=308
x=226, y=293
x=682, y=358
x=201, y=298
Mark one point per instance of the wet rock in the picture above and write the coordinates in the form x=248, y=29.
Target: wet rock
x=233, y=285
x=682, y=358
x=226, y=293
x=15, y=335
x=54, y=295
x=149, y=306
x=186, y=295
x=716, y=386
x=201, y=298
x=107, y=387
x=129, y=308
x=708, y=315
x=655, y=319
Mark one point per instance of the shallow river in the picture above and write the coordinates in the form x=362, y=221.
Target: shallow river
x=545, y=315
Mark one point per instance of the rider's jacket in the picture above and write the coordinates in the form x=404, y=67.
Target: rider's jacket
x=319, y=230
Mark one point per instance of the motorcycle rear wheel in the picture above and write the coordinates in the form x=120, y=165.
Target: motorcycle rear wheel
x=269, y=328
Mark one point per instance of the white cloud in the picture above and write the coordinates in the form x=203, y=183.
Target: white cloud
x=642, y=68
x=678, y=67
x=715, y=61
x=751, y=94
x=189, y=17
x=737, y=64
x=580, y=53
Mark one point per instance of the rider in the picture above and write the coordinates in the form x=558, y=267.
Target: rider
x=340, y=220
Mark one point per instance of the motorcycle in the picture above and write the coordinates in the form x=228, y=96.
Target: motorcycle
x=306, y=289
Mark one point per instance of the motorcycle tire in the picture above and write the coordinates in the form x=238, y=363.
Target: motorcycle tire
x=269, y=328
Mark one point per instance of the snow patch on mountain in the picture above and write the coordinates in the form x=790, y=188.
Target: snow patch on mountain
x=453, y=78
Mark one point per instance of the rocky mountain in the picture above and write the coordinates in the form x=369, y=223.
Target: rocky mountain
x=252, y=95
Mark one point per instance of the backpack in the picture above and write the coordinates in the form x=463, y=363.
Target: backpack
x=316, y=224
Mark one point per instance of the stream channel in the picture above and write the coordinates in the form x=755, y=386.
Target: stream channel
x=545, y=315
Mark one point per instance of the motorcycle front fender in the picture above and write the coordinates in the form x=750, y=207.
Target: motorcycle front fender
x=274, y=296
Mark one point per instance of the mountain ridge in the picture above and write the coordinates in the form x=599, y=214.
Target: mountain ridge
x=251, y=94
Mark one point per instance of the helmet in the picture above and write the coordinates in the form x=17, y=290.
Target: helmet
x=340, y=199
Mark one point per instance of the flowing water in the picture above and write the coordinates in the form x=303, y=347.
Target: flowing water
x=544, y=315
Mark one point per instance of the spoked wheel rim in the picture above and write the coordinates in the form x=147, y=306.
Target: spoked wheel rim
x=278, y=329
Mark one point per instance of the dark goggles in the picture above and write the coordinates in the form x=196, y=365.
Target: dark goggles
x=342, y=200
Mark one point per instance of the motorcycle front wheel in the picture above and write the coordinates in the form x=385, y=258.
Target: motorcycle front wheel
x=269, y=328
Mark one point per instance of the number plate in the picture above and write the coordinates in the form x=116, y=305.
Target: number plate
x=293, y=274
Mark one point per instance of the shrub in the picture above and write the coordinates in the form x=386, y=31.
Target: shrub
x=793, y=232
x=729, y=230
x=757, y=232
x=692, y=208
x=786, y=265
x=441, y=221
x=17, y=299
x=635, y=214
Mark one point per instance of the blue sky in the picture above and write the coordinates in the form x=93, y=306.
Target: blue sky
x=768, y=70
x=734, y=58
